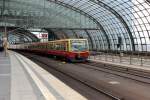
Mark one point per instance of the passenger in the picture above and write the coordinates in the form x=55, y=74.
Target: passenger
x=5, y=46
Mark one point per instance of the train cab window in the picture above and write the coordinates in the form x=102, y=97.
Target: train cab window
x=77, y=45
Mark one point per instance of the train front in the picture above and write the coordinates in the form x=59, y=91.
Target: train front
x=79, y=50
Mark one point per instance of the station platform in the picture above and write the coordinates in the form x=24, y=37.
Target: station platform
x=22, y=79
x=125, y=62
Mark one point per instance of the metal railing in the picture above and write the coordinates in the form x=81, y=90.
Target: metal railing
x=138, y=59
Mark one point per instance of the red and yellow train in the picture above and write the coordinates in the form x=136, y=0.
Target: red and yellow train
x=71, y=49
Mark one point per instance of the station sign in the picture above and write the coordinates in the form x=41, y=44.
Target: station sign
x=44, y=35
x=17, y=12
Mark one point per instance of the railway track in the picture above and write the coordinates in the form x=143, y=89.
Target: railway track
x=130, y=73
x=110, y=95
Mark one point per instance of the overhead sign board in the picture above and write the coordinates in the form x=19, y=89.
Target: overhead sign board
x=44, y=35
x=17, y=12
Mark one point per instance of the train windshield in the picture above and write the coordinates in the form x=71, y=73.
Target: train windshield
x=79, y=45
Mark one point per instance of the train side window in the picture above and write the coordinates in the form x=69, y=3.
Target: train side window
x=51, y=46
x=60, y=46
x=56, y=46
x=66, y=45
x=45, y=46
x=63, y=46
x=48, y=46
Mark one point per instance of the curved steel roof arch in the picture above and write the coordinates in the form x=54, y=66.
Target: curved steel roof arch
x=13, y=37
x=128, y=19
x=86, y=14
x=135, y=36
x=119, y=17
x=20, y=35
x=23, y=33
x=28, y=33
x=112, y=11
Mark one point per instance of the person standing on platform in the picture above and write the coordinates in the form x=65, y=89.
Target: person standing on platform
x=5, y=45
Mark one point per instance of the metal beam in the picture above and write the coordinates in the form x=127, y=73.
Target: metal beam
x=59, y=28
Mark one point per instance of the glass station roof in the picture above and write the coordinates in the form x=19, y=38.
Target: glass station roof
x=108, y=24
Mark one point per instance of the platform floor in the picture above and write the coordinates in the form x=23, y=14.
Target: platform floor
x=125, y=61
x=5, y=77
x=21, y=79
